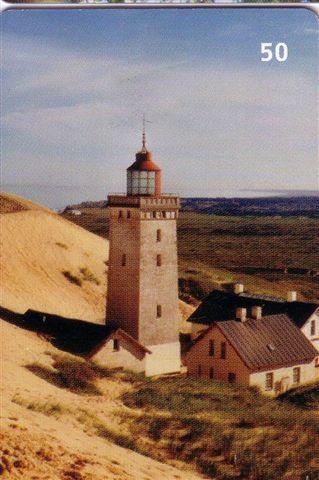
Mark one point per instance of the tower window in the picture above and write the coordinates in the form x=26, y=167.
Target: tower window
x=116, y=344
x=199, y=370
x=211, y=372
x=159, y=260
x=158, y=235
x=231, y=377
x=159, y=311
x=123, y=260
x=211, y=348
x=128, y=214
x=120, y=214
x=313, y=327
x=223, y=350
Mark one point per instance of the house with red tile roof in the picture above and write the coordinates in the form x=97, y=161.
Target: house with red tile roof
x=268, y=351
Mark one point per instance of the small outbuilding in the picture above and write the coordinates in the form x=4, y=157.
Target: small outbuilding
x=119, y=349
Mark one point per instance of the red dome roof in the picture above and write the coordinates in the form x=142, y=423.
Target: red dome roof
x=144, y=161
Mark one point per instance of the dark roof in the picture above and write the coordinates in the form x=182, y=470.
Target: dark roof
x=219, y=305
x=119, y=333
x=76, y=336
x=270, y=342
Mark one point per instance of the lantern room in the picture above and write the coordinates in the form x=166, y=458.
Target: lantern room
x=144, y=176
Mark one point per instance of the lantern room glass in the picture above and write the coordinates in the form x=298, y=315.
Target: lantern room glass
x=140, y=182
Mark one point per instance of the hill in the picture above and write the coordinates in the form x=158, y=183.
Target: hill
x=262, y=206
x=63, y=418
x=51, y=432
x=283, y=205
x=50, y=264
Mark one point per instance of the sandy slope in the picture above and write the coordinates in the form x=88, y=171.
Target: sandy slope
x=38, y=446
x=36, y=247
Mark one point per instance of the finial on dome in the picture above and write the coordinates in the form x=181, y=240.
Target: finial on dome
x=143, y=136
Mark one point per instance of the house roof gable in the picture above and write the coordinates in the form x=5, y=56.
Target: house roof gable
x=118, y=333
x=270, y=342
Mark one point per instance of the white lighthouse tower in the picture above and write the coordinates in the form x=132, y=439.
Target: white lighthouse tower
x=142, y=296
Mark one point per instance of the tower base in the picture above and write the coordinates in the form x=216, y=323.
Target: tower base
x=165, y=358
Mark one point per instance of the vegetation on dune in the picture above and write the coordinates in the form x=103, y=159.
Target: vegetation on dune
x=306, y=396
x=227, y=431
x=61, y=245
x=84, y=275
x=72, y=278
x=88, y=276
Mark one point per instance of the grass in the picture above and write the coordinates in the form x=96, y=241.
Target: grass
x=88, y=276
x=85, y=275
x=71, y=373
x=51, y=409
x=62, y=245
x=72, y=278
x=91, y=422
x=214, y=250
x=306, y=396
x=226, y=431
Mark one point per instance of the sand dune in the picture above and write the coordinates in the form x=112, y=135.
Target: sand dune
x=37, y=246
x=42, y=255
x=34, y=445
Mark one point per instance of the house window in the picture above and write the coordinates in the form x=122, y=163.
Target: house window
x=159, y=311
x=211, y=372
x=223, y=350
x=128, y=214
x=158, y=260
x=211, y=348
x=120, y=214
x=123, y=260
x=199, y=370
x=158, y=235
x=269, y=383
x=296, y=375
x=116, y=344
x=313, y=327
x=231, y=377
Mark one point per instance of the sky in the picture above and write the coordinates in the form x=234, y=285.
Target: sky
x=76, y=84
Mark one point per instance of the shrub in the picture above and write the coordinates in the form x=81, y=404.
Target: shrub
x=62, y=245
x=77, y=375
x=88, y=276
x=72, y=278
x=47, y=408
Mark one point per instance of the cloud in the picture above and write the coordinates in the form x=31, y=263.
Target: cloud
x=79, y=115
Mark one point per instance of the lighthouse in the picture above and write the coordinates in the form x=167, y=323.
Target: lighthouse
x=142, y=297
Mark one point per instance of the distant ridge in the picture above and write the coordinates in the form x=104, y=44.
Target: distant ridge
x=258, y=206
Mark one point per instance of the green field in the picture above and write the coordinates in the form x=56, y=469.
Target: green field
x=270, y=254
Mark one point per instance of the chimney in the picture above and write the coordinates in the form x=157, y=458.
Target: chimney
x=241, y=314
x=291, y=296
x=238, y=288
x=256, y=312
